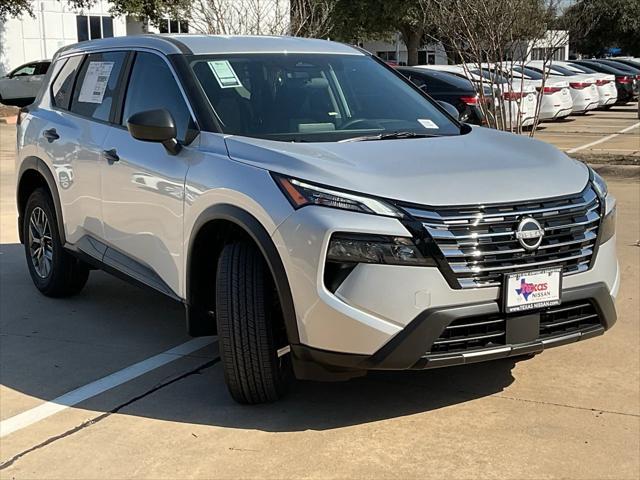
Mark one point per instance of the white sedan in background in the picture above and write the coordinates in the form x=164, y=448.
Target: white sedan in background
x=606, y=82
x=555, y=97
x=21, y=85
x=520, y=103
x=585, y=87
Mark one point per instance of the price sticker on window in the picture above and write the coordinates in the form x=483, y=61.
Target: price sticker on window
x=95, y=82
x=225, y=74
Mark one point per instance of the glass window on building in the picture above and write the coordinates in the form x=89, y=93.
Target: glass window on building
x=167, y=25
x=94, y=26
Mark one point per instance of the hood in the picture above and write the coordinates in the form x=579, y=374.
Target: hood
x=483, y=166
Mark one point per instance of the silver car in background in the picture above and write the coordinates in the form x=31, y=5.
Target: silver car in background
x=310, y=206
x=20, y=86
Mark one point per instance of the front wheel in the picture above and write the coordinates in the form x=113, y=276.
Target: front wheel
x=250, y=328
x=55, y=272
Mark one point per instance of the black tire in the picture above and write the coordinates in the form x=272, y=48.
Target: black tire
x=250, y=329
x=66, y=275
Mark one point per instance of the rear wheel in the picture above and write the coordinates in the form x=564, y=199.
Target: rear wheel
x=54, y=271
x=250, y=328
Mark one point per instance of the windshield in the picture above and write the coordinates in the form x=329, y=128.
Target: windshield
x=314, y=97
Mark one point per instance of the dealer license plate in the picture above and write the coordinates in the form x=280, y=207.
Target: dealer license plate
x=530, y=290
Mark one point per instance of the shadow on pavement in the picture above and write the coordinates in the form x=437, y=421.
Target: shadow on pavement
x=50, y=347
x=202, y=399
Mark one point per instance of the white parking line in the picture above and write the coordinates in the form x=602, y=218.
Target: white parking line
x=24, y=419
x=603, y=139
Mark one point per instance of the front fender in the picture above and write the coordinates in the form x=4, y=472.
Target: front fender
x=262, y=239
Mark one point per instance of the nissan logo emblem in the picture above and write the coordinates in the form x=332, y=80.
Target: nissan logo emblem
x=529, y=233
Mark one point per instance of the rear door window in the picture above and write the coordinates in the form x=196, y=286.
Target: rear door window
x=42, y=68
x=97, y=85
x=417, y=80
x=62, y=86
x=435, y=85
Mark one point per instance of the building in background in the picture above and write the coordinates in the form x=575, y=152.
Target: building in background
x=554, y=45
x=396, y=52
x=54, y=25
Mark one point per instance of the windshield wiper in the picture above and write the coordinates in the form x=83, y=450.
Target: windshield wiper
x=389, y=136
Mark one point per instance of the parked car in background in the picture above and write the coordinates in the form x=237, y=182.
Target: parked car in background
x=619, y=83
x=21, y=85
x=555, y=97
x=631, y=69
x=631, y=61
x=449, y=88
x=627, y=91
x=583, y=86
x=520, y=103
x=605, y=82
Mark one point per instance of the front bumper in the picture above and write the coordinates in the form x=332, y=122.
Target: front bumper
x=410, y=349
x=377, y=303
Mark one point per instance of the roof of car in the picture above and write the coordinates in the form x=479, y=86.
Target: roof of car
x=215, y=44
x=448, y=77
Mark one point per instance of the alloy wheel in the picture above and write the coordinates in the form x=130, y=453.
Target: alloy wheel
x=40, y=242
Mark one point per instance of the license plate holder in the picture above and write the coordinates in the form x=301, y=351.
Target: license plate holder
x=530, y=290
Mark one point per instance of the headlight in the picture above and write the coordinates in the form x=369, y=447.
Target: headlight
x=598, y=183
x=363, y=248
x=302, y=193
x=608, y=224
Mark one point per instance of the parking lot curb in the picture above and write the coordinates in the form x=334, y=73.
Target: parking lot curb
x=631, y=172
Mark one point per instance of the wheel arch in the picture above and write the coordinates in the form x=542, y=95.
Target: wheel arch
x=245, y=224
x=35, y=173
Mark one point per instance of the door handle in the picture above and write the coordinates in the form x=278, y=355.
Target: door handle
x=111, y=156
x=51, y=135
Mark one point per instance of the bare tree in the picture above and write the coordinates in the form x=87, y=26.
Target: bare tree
x=312, y=18
x=495, y=39
x=240, y=17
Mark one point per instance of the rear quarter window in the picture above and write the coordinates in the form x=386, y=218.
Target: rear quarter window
x=62, y=86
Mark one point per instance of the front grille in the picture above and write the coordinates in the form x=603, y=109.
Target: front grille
x=476, y=333
x=479, y=245
x=566, y=319
x=471, y=334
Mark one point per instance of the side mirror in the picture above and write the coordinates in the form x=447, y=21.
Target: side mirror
x=451, y=110
x=155, y=126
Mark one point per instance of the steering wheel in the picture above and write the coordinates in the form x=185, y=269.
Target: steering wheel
x=354, y=121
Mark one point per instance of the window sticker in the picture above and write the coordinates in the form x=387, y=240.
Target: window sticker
x=95, y=82
x=426, y=123
x=224, y=73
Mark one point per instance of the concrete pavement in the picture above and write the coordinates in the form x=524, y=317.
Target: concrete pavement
x=572, y=412
x=610, y=132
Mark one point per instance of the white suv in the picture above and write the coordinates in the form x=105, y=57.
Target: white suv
x=309, y=205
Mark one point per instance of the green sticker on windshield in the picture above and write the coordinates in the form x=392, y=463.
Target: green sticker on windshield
x=224, y=73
